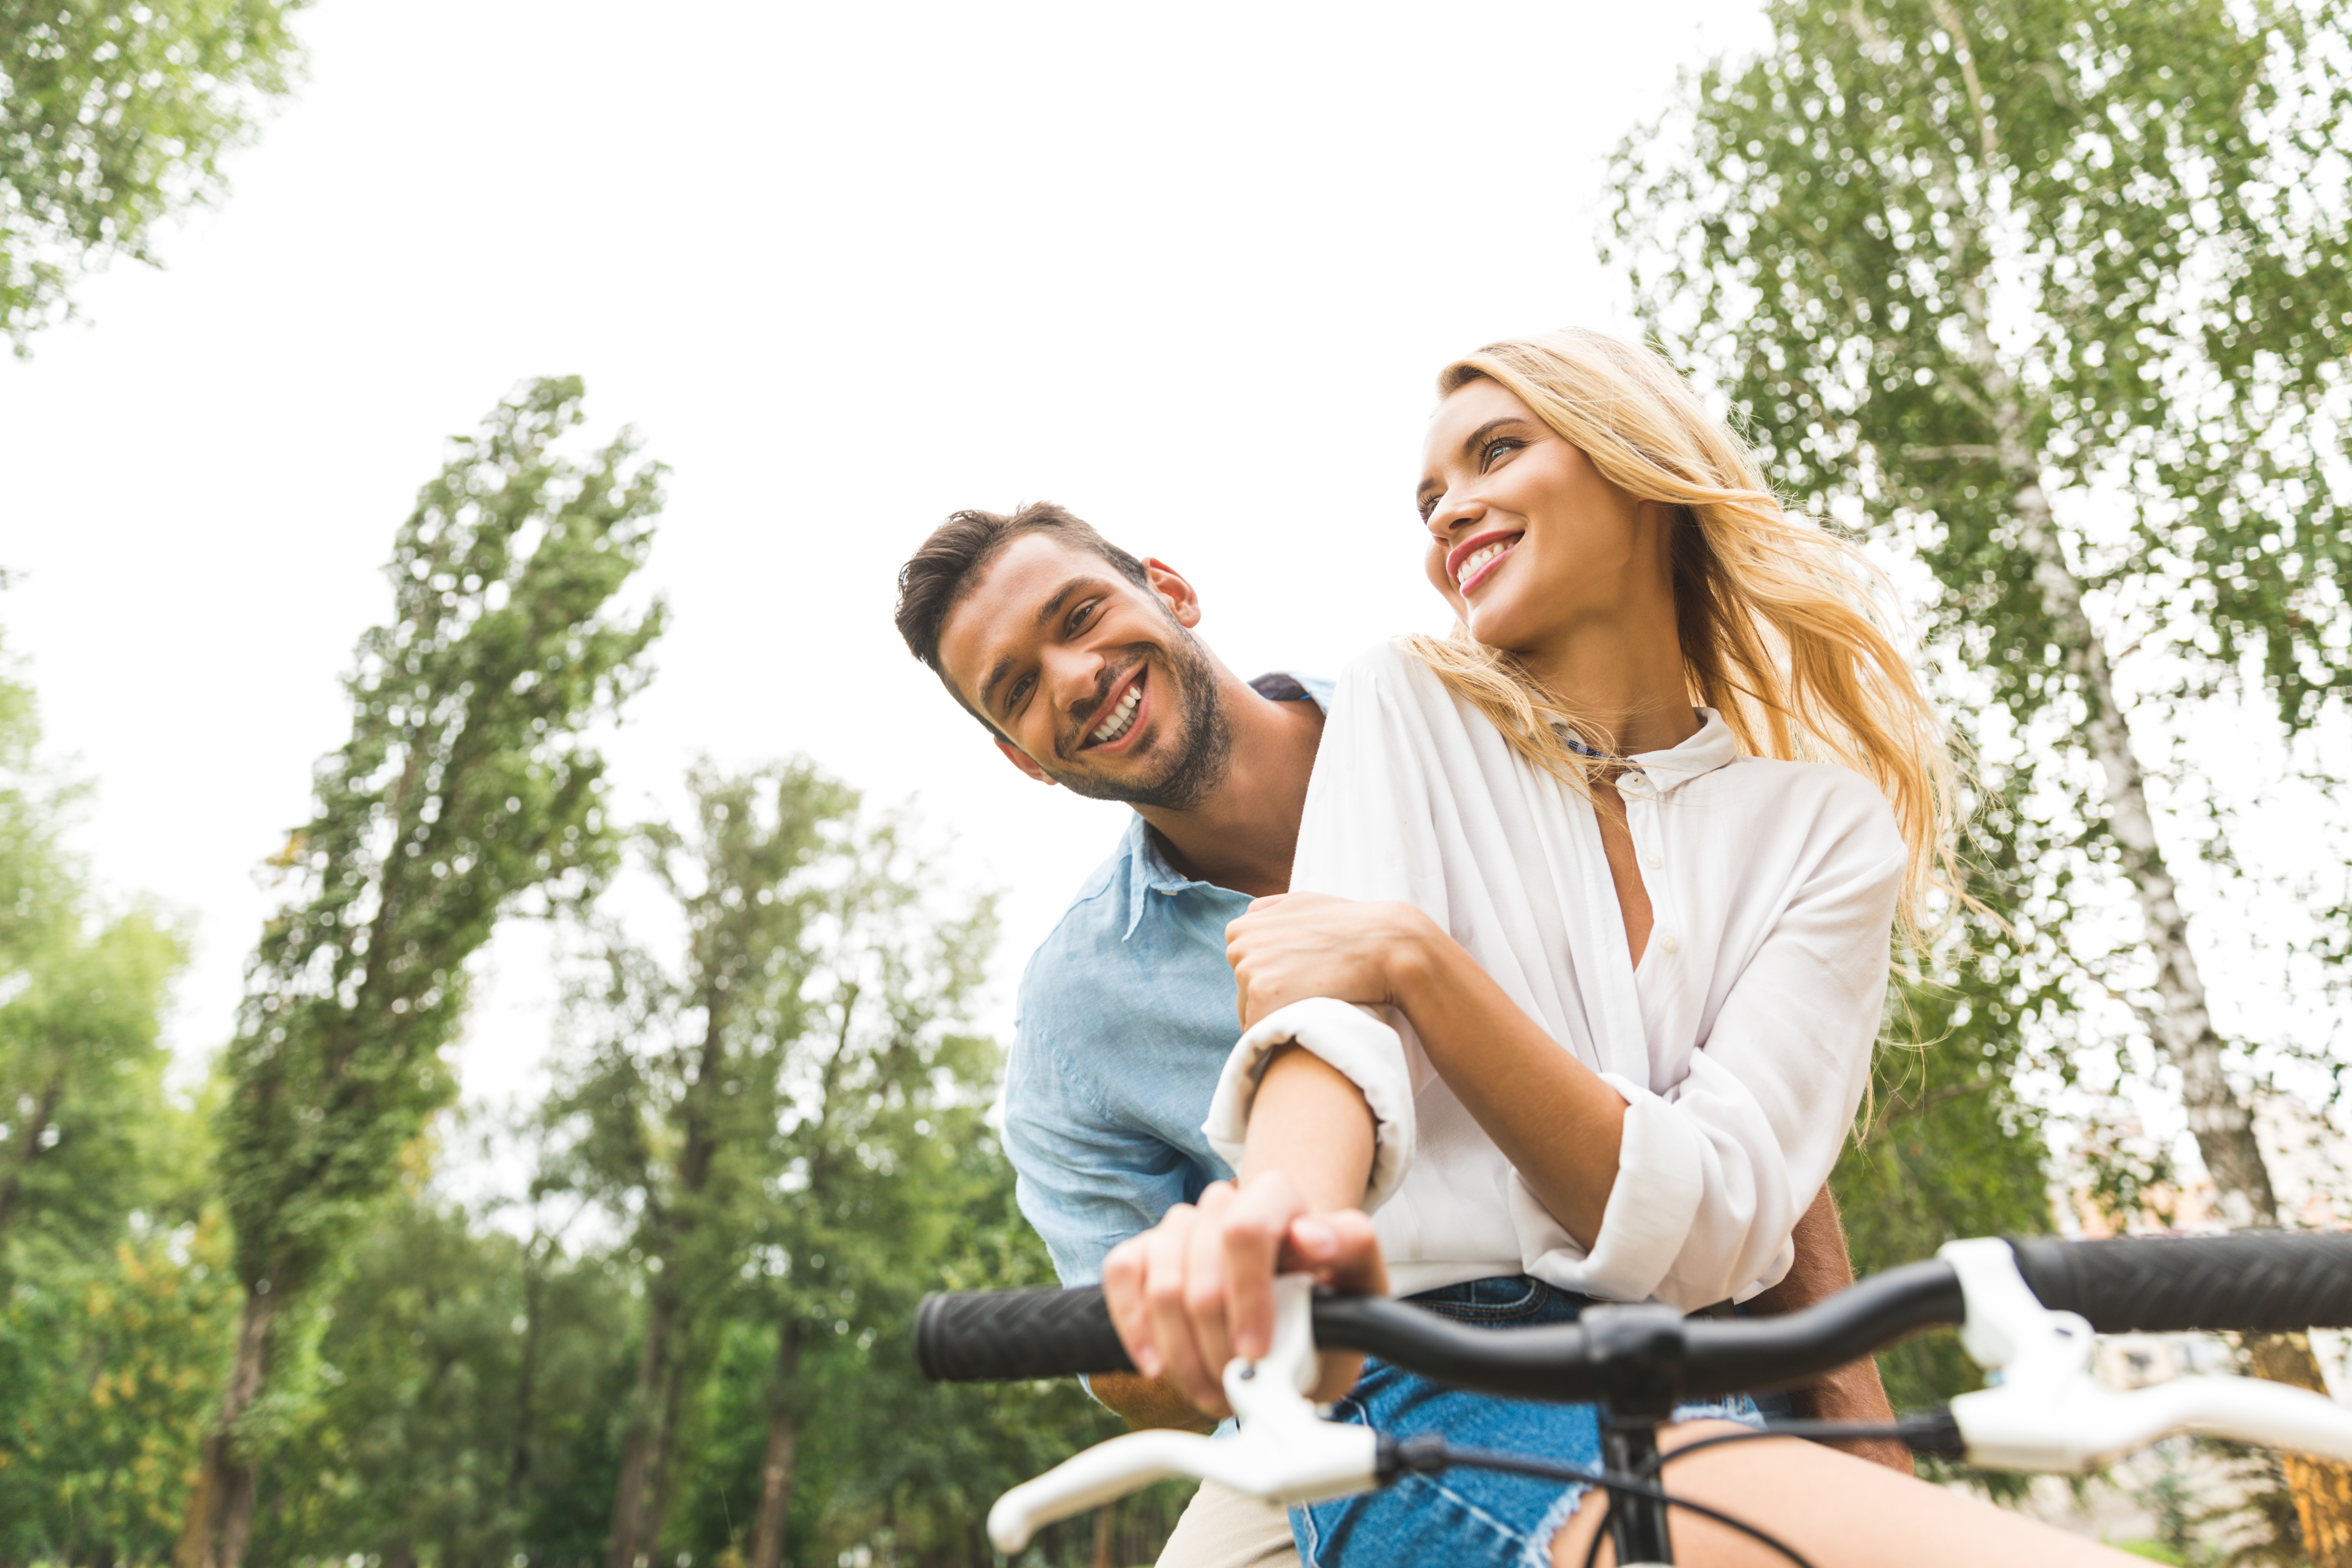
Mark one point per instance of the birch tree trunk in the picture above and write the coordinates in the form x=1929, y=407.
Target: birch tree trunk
x=2182, y=1024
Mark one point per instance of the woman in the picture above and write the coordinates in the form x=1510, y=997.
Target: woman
x=1632, y=951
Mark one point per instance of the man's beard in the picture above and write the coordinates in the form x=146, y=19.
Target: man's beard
x=1199, y=751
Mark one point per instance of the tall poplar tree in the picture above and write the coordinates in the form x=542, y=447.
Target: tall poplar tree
x=466, y=784
x=2061, y=291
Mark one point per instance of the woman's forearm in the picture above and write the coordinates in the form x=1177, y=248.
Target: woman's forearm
x=1312, y=1125
x=1553, y=1118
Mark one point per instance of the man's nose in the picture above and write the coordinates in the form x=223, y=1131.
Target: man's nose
x=1075, y=675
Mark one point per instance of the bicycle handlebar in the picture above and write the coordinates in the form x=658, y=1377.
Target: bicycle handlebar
x=2256, y=1281
x=2253, y=1281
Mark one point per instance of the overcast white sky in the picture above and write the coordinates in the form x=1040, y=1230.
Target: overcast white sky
x=1187, y=270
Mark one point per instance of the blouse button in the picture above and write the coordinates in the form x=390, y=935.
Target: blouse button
x=1653, y=860
x=1667, y=941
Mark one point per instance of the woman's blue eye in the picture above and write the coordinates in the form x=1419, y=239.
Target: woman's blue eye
x=1500, y=444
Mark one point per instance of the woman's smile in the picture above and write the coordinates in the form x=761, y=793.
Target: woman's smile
x=1472, y=560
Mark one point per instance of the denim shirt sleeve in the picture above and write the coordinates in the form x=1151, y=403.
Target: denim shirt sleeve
x=1085, y=1179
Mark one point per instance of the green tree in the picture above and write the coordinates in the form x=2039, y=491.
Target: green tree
x=112, y=1280
x=672, y=1097
x=85, y=1134
x=2058, y=292
x=109, y=1359
x=112, y=114
x=838, y=1441
x=794, y=1118
x=458, y=1365
x=881, y=1100
x=465, y=787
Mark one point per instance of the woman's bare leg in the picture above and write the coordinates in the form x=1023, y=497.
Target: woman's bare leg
x=1839, y=1512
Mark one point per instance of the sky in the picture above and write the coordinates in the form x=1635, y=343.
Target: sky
x=1188, y=271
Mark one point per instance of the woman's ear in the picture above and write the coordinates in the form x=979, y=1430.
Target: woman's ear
x=1174, y=592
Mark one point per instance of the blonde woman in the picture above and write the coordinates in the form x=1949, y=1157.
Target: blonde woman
x=1609, y=876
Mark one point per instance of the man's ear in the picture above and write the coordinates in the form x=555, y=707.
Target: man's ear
x=1170, y=585
x=1020, y=758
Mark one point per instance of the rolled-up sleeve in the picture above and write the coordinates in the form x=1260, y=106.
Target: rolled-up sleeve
x=1714, y=1172
x=1354, y=1040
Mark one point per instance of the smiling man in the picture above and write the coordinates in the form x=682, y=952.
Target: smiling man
x=1081, y=662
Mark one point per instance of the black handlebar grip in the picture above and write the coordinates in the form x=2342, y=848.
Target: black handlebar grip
x=1005, y=1336
x=2254, y=1281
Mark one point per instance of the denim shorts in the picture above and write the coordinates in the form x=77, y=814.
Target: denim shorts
x=1461, y=1518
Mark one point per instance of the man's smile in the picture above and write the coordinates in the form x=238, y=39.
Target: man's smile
x=1121, y=715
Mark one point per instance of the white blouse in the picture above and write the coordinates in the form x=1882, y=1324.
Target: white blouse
x=1741, y=1044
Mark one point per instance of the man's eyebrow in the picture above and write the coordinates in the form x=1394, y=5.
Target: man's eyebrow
x=996, y=674
x=1046, y=612
x=1470, y=443
x=1052, y=606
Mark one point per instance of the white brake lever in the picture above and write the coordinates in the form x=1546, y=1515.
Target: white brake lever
x=2047, y=1413
x=1284, y=1451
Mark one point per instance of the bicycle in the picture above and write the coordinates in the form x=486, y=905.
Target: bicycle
x=2027, y=1310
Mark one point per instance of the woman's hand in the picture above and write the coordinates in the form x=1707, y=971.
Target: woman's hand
x=1293, y=946
x=1197, y=1290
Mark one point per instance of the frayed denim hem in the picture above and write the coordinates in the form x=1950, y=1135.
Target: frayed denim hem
x=1537, y=1550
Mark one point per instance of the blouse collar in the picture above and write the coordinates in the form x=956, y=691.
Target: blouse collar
x=1712, y=747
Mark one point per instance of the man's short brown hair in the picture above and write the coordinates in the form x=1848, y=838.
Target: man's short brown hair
x=938, y=576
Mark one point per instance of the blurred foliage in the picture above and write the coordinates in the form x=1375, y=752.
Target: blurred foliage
x=114, y=114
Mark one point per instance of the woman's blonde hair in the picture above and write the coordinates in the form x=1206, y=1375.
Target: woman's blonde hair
x=1784, y=626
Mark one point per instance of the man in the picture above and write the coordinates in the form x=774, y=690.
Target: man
x=1081, y=662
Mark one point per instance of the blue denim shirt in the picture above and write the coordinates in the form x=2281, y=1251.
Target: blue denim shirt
x=1127, y=1014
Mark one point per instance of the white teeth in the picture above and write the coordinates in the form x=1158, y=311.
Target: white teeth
x=1477, y=558
x=1121, y=717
